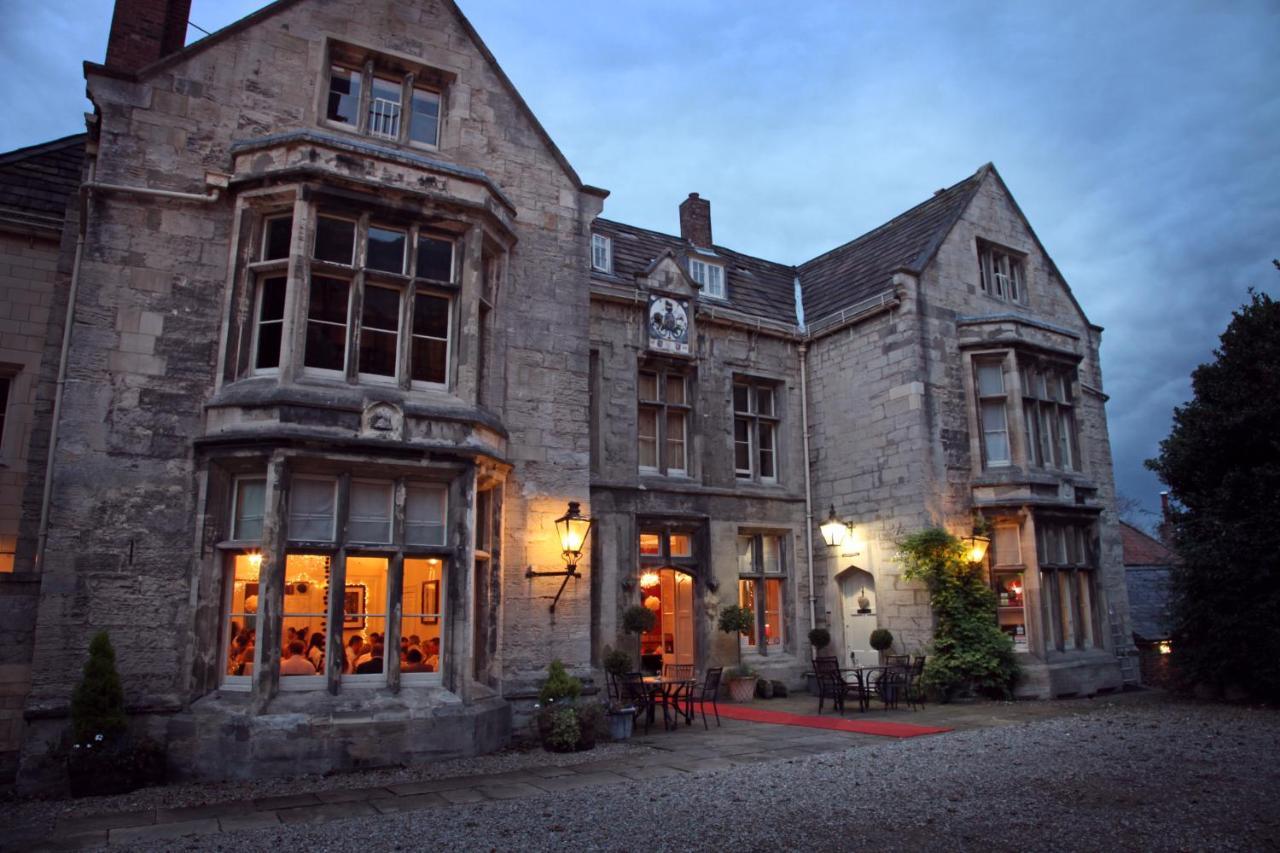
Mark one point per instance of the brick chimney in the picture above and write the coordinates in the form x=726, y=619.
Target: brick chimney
x=143, y=31
x=695, y=221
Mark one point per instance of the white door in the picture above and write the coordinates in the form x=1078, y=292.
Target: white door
x=856, y=584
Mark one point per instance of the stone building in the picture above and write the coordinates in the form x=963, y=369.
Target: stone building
x=347, y=333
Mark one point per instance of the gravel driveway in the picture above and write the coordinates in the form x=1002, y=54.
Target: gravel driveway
x=1160, y=776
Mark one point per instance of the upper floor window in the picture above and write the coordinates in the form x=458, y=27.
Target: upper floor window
x=1048, y=410
x=601, y=253
x=709, y=276
x=1002, y=273
x=378, y=301
x=384, y=97
x=755, y=427
x=992, y=412
x=663, y=421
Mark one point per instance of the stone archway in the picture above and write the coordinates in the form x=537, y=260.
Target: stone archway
x=858, y=607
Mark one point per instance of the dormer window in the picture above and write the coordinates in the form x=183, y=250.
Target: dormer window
x=709, y=276
x=601, y=253
x=373, y=95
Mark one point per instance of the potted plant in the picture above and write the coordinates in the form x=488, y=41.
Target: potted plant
x=563, y=725
x=638, y=619
x=819, y=639
x=881, y=640
x=736, y=620
x=621, y=714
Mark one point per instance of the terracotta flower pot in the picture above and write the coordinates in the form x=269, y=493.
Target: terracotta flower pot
x=742, y=689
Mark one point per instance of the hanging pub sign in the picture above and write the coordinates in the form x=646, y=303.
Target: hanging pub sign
x=668, y=324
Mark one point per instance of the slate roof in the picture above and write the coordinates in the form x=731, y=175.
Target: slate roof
x=1143, y=550
x=753, y=285
x=37, y=182
x=841, y=278
x=864, y=267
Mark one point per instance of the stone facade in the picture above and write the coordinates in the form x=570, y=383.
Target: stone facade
x=277, y=388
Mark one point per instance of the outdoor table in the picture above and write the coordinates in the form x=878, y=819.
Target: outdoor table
x=868, y=680
x=669, y=690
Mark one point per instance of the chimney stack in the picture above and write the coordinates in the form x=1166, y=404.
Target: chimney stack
x=695, y=221
x=143, y=31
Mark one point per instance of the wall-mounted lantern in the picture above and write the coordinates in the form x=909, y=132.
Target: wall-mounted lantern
x=573, y=528
x=833, y=529
x=975, y=547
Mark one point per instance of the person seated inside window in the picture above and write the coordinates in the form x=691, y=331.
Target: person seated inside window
x=315, y=651
x=413, y=662
x=373, y=663
x=354, y=646
x=431, y=655
x=295, y=661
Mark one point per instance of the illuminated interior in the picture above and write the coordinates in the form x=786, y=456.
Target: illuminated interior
x=303, y=652
x=668, y=593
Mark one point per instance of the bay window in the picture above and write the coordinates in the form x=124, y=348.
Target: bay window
x=1048, y=411
x=324, y=574
x=1067, y=555
x=992, y=412
x=377, y=301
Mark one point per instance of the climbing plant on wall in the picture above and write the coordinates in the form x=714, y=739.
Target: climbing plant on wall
x=969, y=651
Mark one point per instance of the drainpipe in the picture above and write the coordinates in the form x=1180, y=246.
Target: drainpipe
x=808, y=482
x=216, y=182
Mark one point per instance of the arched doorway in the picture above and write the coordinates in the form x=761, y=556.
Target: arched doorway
x=668, y=593
x=858, y=606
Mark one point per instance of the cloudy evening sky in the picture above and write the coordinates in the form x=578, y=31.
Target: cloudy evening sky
x=1142, y=140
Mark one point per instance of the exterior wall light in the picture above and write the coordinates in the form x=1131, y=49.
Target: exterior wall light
x=975, y=547
x=833, y=530
x=573, y=528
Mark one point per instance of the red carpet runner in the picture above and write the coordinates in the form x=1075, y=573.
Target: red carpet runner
x=835, y=722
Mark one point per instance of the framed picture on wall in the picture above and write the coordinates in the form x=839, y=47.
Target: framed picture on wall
x=353, y=605
x=430, y=602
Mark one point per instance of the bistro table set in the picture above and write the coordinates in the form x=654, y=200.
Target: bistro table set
x=896, y=680
x=675, y=690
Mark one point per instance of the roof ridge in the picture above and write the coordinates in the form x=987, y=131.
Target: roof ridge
x=42, y=147
x=885, y=225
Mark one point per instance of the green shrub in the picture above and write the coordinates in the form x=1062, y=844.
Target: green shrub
x=617, y=663
x=819, y=638
x=881, y=639
x=737, y=620
x=969, y=651
x=97, y=705
x=638, y=619
x=559, y=686
x=565, y=730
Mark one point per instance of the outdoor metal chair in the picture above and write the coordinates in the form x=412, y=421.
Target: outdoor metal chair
x=707, y=691
x=676, y=697
x=891, y=685
x=897, y=660
x=833, y=685
x=914, y=688
x=635, y=693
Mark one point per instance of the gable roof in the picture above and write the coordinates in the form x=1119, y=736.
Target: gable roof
x=865, y=266
x=752, y=285
x=1140, y=549
x=272, y=9
x=37, y=182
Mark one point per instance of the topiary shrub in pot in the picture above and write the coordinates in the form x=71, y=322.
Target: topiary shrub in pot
x=742, y=679
x=881, y=640
x=819, y=638
x=638, y=619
